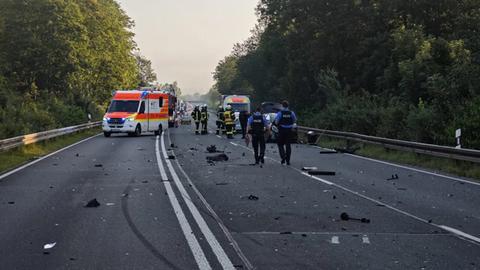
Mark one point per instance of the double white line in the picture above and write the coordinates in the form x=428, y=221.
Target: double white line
x=192, y=241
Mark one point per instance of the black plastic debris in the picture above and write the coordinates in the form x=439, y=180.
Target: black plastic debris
x=334, y=197
x=285, y=232
x=328, y=152
x=346, y=217
x=171, y=157
x=394, y=177
x=11, y=202
x=221, y=184
x=145, y=181
x=403, y=189
x=253, y=198
x=277, y=218
x=219, y=157
x=304, y=235
x=98, y=165
x=243, y=154
x=77, y=155
x=212, y=149
x=316, y=172
x=193, y=149
x=172, y=145
x=92, y=203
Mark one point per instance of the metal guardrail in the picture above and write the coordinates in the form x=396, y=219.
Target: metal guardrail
x=44, y=135
x=416, y=147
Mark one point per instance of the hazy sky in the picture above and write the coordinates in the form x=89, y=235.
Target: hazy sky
x=185, y=39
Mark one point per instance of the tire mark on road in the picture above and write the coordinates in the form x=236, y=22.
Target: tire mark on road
x=139, y=235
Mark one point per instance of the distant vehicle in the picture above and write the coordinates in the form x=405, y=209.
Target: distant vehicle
x=239, y=103
x=270, y=110
x=134, y=112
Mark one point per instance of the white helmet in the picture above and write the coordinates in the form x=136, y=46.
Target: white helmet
x=229, y=107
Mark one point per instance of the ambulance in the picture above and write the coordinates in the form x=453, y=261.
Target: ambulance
x=137, y=111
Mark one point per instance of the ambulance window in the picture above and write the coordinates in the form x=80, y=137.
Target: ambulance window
x=160, y=102
x=142, y=107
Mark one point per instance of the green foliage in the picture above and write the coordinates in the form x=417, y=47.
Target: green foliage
x=60, y=60
x=396, y=68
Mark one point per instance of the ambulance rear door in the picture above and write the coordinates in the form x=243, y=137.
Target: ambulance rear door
x=155, y=103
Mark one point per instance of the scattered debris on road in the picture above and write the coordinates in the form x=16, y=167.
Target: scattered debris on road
x=77, y=154
x=316, y=172
x=328, y=152
x=220, y=157
x=171, y=157
x=11, y=202
x=49, y=245
x=346, y=217
x=253, y=198
x=394, y=177
x=193, y=149
x=285, y=232
x=221, y=184
x=92, y=203
x=110, y=204
x=173, y=145
x=98, y=165
x=145, y=181
x=213, y=149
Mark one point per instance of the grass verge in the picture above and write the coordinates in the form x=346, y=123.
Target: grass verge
x=17, y=156
x=456, y=167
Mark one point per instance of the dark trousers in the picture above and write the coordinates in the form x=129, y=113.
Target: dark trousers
x=283, y=141
x=197, y=126
x=244, y=128
x=204, y=127
x=229, y=128
x=258, y=140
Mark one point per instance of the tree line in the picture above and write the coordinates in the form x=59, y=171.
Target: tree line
x=60, y=61
x=406, y=69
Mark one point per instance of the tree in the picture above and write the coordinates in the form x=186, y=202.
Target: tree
x=146, y=75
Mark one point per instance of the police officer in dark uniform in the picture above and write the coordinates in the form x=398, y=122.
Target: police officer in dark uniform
x=285, y=122
x=257, y=126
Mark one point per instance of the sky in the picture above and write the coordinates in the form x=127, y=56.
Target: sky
x=185, y=39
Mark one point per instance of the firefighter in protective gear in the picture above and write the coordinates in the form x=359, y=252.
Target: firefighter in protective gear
x=220, y=120
x=196, y=115
x=229, y=117
x=257, y=127
x=204, y=119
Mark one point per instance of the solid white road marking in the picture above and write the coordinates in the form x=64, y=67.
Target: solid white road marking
x=209, y=236
x=365, y=240
x=458, y=233
x=44, y=157
x=192, y=241
x=246, y=262
x=417, y=170
x=335, y=240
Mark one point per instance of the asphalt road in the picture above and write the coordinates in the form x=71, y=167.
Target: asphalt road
x=163, y=206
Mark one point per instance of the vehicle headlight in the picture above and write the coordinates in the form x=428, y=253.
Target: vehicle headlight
x=129, y=119
x=106, y=118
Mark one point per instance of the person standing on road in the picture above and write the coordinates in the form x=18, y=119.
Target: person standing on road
x=220, y=120
x=285, y=121
x=229, y=117
x=243, y=119
x=257, y=127
x=196, y=115
x=204, y=119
